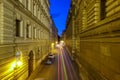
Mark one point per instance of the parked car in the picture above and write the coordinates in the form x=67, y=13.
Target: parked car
x=52, y=56
x=48, y=60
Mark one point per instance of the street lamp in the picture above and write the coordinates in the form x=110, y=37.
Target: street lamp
x=17, y=63
x=18, y=60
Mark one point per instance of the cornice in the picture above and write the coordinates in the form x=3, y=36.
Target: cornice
x=7, y=45
x=48, y=4
x=43, y=10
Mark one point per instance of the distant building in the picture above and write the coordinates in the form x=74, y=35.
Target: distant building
x=93, y=38
x=54, y=31
x=24, y=37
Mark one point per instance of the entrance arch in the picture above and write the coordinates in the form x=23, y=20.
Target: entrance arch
x=30, y=63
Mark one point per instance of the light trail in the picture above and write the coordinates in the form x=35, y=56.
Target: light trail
x=61, y=67
x=62, y=72
x=58, y=68
x=74, y=73
x=64, y=68
x=68, y=65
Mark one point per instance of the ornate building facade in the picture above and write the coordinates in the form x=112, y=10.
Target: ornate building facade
x=93, y=38
x=24, y=37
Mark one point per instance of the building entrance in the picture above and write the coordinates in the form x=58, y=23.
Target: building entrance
x=30, y=63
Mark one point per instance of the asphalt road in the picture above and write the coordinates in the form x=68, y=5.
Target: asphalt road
x=48, y=72
x=61, y=69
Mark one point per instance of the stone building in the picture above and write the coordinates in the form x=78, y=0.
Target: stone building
x=53, y=36
x=93, y=38
x=24, y=37
x=54, y=32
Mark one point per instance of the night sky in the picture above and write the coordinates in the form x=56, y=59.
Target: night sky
x=59, y=11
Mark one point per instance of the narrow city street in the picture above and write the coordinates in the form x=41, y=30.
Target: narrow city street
x=61, y=69
x=59, y=39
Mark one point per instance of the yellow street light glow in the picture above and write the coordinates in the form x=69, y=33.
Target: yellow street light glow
x=56, y=42
x=62, y=41
x=13, y=65
x=52, y=44
x=19, y=63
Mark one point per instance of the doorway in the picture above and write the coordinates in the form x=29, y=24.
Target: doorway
x=30, y=63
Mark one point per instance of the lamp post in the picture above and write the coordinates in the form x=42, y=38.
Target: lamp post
x=17, y=64
x=18, y=60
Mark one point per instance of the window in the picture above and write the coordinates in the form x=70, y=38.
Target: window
x=34, y=9
x=38, y=13
x=17, y=28
x=39, y=33
x=27, y=31
x=103, y=11
x=34, y=32
x=28, y=4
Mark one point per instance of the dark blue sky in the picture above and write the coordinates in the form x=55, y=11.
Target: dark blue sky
x=59, y=11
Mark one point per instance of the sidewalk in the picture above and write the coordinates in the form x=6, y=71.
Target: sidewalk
x=34, y=73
